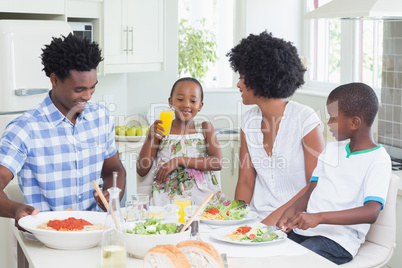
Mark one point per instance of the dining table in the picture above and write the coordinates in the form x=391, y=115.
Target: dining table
x=285, y=254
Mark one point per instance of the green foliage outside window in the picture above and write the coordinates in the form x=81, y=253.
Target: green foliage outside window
x=197, y=49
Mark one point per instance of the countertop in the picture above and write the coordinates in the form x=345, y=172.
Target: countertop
x=133, y=143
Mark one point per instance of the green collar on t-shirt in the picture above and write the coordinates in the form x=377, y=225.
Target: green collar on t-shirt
x=348, y=153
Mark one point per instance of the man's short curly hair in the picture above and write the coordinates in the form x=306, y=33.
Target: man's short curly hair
x=271, y=66
x=356, y=99
x=70, y=53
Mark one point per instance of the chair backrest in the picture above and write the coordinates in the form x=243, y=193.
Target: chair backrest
x=379, y=246
x=383, y=231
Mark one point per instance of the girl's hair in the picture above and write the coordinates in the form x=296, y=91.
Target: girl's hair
x=271, y=66
x=356, y=99
x=70, y=53
x=191, y=79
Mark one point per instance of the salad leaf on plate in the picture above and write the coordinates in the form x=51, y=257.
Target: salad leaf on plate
x=235, y=210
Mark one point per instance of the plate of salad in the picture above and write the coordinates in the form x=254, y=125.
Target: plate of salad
x=249, y=235
x=230, y=213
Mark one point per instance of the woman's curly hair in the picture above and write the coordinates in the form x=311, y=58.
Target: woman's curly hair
x=271, y=66
x=70, y=53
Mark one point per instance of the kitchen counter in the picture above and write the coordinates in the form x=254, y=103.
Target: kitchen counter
x=134, y=143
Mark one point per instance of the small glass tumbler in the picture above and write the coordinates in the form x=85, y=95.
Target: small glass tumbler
x=141, y=205
x=195, y=225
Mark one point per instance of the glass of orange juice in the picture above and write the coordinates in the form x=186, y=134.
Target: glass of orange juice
x=183, y=201
x=166, y=116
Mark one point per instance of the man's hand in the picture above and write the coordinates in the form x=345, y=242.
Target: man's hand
x=23, y=211
x=99, y=200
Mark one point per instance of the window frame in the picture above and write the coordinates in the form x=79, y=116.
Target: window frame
x=351, y=64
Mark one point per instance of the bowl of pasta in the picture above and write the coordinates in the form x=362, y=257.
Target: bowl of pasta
x=66, y=229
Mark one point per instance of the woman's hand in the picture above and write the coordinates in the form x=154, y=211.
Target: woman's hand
x=156, y=131
x=166, y=169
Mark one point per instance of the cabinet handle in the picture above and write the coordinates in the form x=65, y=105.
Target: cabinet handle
x=131, y=30
x=125, y=31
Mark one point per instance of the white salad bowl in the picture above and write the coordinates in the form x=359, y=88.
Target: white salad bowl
x=138, y=245
x=70, y=240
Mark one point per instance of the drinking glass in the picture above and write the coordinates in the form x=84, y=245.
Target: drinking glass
x=190, y=210
x=172, y=213
x=183, y=201
x=138, y=207
x=166, y=116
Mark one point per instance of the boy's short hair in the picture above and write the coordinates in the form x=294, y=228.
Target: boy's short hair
x=356, y=99
x=271, y=66
x=70, y=53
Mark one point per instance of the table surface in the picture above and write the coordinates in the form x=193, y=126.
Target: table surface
x=38, y=255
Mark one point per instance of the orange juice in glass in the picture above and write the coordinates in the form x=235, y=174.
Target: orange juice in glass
x=182, y=201
x=166, y=116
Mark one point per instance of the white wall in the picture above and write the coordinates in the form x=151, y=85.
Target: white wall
x=283, y=19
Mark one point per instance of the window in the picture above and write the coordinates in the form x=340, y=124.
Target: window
x=343, y=51
x=219, y=18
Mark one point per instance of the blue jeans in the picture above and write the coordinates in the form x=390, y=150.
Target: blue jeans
x=323, y=246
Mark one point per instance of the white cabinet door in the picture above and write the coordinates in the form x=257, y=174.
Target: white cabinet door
x=133, y=35
x=146, y=20
x=33, y=7
x=230, y=167
x=114, y=35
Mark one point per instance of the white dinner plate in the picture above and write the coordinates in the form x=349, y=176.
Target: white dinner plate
x=251, y=215
x=65, y=239
x=219, y=234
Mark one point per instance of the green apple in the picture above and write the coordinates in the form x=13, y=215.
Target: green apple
x=131, y=131
x=116, y=130
x=122, y=131
x=142, y=130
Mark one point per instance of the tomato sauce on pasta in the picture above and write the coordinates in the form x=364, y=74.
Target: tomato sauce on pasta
x=70, y=224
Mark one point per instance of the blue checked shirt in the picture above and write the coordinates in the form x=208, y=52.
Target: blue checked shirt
x=56, y=160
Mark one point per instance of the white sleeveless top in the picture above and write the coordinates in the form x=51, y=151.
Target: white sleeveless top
x=282, y=175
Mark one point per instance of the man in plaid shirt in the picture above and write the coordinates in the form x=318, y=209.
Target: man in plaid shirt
x=58, y=148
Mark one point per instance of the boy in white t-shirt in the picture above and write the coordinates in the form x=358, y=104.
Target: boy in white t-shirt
x=349, y=186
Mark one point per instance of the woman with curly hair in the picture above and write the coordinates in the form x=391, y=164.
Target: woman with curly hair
x=280, y=139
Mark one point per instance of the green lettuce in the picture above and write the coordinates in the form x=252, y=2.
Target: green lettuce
x=154, y=226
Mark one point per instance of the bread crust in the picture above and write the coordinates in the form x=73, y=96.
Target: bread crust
x=208, y=248
x=178, y=259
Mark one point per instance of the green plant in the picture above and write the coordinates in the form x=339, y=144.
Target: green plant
x=197, y=48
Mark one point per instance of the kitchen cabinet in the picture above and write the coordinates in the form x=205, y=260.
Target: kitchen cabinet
x=85, y=10
x=39, y=7
x=230, y=164
x=133, y=35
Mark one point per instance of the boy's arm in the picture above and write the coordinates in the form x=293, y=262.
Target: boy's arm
x=299, y=206
x=364, y=214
